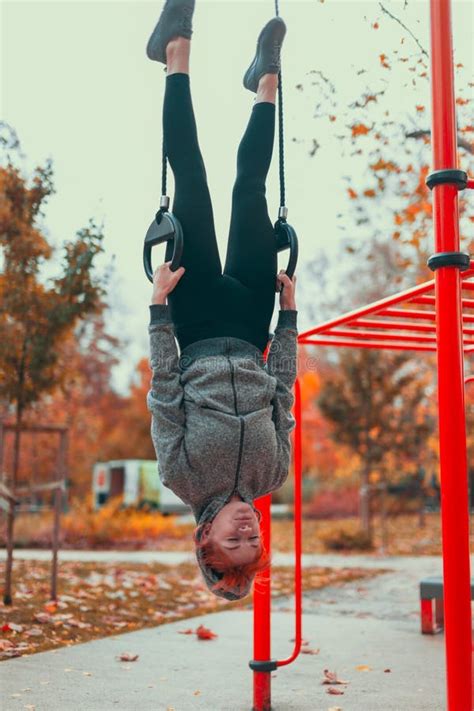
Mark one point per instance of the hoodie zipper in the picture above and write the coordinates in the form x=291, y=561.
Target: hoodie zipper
x=242, y=423
x=232, y=380
x=241, y=446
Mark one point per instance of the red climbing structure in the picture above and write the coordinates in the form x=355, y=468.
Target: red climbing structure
x=438, y=317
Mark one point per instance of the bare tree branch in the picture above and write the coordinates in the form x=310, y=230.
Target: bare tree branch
x=462, y=143
x=404, y=27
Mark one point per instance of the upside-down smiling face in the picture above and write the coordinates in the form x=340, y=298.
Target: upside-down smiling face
x=235, y=532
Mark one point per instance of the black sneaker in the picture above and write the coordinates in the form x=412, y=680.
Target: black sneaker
x=267, y=57
x=176, y=20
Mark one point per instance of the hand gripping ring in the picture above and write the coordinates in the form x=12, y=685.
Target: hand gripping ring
x=164, y=228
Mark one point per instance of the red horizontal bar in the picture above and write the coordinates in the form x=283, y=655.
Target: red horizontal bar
x=384, y=345
x=470, y=183
x=401, y=326
x=415, y=313
x=352, y=333
x=430, y=300
x=467, y=285
x=423, y=300
x=396, y=325
x=408, y=313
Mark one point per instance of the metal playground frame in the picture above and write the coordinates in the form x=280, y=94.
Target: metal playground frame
x=442, y=325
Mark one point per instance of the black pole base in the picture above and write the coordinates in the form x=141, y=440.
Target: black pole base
x=266, y=666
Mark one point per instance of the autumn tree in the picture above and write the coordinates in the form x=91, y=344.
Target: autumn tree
x=380, y=131
x=375, y=402
x=86, y=401
x=38, y=315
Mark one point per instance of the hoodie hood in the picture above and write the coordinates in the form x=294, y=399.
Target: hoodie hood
x=212, y=577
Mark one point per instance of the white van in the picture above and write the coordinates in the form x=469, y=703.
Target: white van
x=137, y=481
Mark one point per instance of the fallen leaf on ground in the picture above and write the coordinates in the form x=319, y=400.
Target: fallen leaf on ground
x=128, y=657
x=12, y=627
x=386, y=671
x=72, y=622
x=84, y=612
x=188, y=631
x=363, y=668
x=43, y=617
x=334, y=692
x=12, y=652
x=307, y=650
x=34, y=632
x=205, y=633
x=331, y=678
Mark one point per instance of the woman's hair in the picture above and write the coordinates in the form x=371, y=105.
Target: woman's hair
x=232, y=576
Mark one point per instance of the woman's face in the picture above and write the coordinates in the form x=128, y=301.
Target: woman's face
x=236, y=532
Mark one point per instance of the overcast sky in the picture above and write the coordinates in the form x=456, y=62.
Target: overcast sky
x=77, y=88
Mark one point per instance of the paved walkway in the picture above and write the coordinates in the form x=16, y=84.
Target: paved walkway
x=373, y=625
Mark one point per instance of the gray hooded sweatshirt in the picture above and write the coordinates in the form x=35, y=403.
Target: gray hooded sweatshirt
x=221, y=416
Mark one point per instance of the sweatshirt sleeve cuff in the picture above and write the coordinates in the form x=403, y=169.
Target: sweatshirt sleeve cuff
x=159, y=313
x=287, y=319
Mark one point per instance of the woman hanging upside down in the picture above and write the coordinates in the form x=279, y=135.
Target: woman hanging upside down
x=221, y=417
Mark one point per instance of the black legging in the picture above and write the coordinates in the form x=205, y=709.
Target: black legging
x=206, y=302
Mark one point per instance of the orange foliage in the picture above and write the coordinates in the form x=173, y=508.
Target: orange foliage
x=387, y=165
x=321, y=456
x=84, y=526
x=360, y=129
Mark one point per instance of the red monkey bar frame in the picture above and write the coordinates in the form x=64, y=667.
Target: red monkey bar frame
x=444, y=330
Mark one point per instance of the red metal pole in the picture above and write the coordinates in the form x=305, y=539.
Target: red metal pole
x=452, y=425
x=261, y=616
x=298, y=474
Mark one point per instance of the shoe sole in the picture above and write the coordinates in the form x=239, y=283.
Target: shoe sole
x=248, y=74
